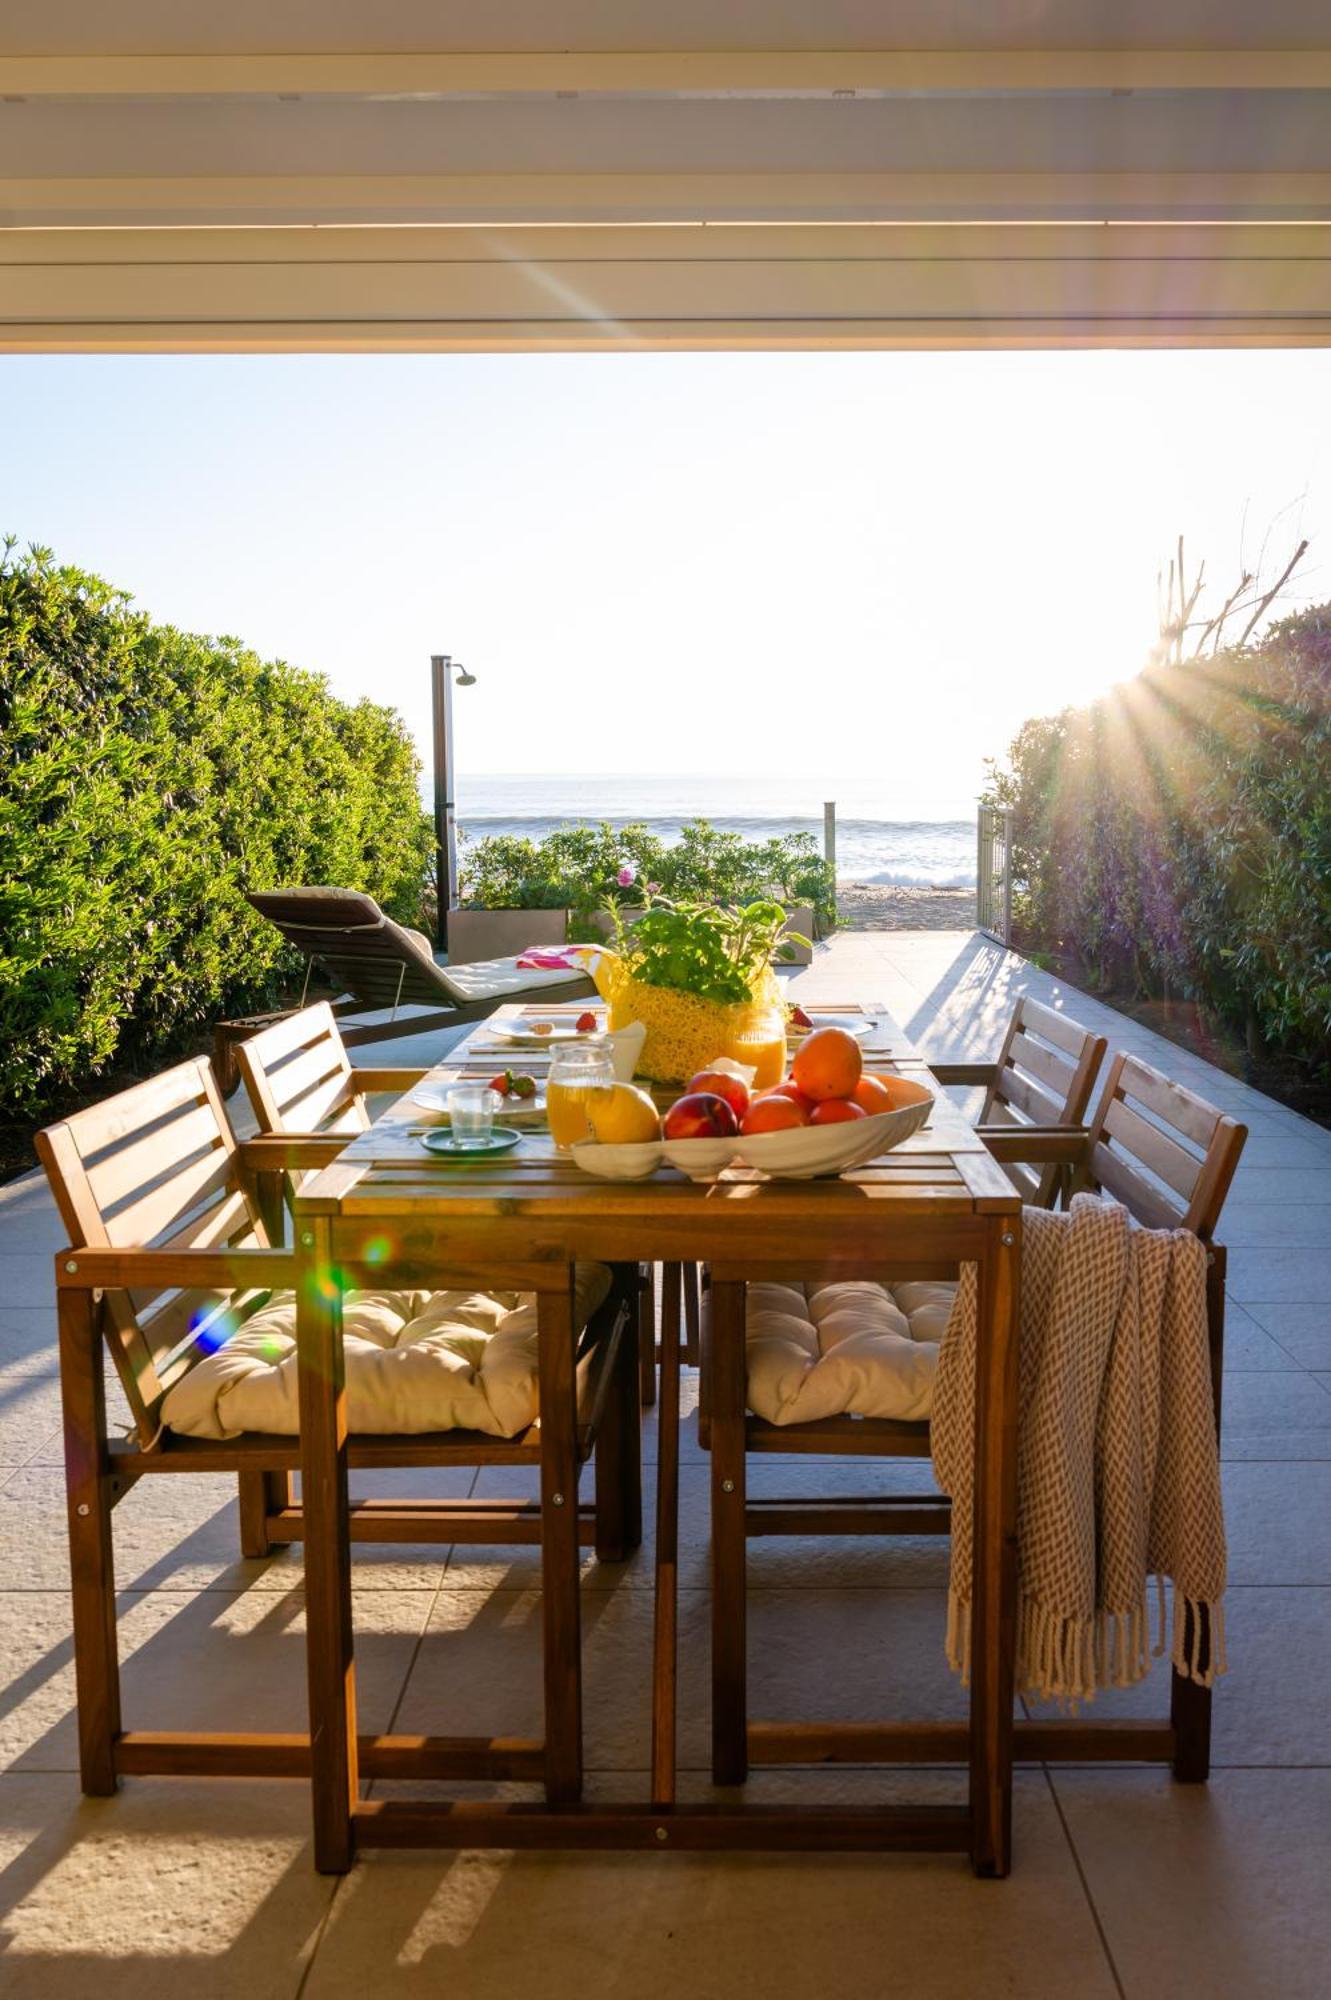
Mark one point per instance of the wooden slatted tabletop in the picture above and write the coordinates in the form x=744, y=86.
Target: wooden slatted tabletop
x=390, y=1212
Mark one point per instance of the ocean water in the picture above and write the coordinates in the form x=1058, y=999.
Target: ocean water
x=932, y=846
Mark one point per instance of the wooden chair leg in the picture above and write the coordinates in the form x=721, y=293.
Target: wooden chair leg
x=329, y=1649
x=262, y=1494
x=728, y=1381
x=561, y=1609
x=618, y=1463
x=88, y=1488
x=1190, y=1713
x=647, y=1339
x=691, y=1280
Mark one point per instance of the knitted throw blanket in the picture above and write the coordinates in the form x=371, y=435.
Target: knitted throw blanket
x=1118, y=1474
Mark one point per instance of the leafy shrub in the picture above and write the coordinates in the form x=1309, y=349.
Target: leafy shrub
x=578, y=867
x=149, y=777
x=1174, y=838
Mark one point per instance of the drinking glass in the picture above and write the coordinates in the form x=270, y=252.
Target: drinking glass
x=471, y=1111
x=763, y=1048
x=577, y=1071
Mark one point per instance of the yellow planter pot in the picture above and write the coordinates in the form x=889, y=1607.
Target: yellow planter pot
x=685, y=1032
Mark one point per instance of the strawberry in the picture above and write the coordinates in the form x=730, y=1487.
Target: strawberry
x=799, y=1018
x=502, y=1083
x=585, y=1024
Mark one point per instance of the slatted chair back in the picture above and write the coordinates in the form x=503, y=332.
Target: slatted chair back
x=298, y=1076
x=1161, y=1150
x=364, y=952
x=1044, y=1075
x=156, y=1168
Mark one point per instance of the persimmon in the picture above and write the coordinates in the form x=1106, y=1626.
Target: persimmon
x=827, y=1064
x=775, y=1113
x=872, y=1094
x=836, y=1111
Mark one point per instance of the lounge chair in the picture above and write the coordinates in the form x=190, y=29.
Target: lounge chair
x=377, y=964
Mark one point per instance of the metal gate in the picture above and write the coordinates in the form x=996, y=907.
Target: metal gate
x=993, y=874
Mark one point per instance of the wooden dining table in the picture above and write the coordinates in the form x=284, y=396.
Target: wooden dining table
x=390, y=1213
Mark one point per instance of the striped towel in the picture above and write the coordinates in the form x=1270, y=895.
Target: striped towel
x=1118, y=1474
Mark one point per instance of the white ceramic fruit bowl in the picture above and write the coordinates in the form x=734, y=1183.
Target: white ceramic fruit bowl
x=619, y=1163
x=812, y=1150
x=803, y=1154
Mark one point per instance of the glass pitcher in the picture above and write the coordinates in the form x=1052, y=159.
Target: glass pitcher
x=577, y=1071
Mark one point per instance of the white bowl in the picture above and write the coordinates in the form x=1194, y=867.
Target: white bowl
x=701, y=1159
x=807, y=1151
x=619, y=1163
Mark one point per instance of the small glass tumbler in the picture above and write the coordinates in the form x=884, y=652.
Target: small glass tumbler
x=471, y=1111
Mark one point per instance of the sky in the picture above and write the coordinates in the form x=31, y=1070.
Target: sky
x=851, y=574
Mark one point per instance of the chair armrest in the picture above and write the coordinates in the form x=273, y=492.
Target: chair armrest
x=280, y=1152
x=1036, y=1145
x=365, y=1082
x=83, y=1269
x=964, y=1073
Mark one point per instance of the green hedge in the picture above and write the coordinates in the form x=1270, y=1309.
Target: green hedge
x=1174, y=838
x=577, y=868
x=148, y=777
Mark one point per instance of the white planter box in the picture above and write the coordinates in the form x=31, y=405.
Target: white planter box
x=479, y=934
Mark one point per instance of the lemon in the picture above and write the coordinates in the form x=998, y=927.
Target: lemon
x=623, y=1115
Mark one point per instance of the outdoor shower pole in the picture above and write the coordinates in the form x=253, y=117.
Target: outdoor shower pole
x=445, y=836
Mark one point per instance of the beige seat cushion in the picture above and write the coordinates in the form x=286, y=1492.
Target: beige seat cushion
x=848, y=1349
x=416, y=1361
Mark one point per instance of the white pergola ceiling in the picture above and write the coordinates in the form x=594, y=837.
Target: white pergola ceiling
x=559, y=173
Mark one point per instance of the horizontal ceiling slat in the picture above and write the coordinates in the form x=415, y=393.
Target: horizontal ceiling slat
x=673, y=73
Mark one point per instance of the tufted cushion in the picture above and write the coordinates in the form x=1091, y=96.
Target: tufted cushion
x=416, y=1361
x=849, y=1349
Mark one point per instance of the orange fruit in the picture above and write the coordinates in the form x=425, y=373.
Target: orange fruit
x=775, y=1113
x=835, y=1111
x=791, y=1090
x=827, y=1064
x=872, y=1094
x=622, y=1115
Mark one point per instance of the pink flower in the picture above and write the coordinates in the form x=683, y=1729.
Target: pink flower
x=653, y=888
x=627, y=876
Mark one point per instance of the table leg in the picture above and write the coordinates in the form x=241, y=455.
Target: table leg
x=330, y=1663
x=994, y=1606
x=665, y=1648
x=727, y=1386
x=560, y=1568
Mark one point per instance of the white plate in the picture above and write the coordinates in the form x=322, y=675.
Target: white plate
x=858, y=1025
x=526, y=1038
x=519, y=1110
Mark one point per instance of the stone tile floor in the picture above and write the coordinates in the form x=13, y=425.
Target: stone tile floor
x=1124, y=1883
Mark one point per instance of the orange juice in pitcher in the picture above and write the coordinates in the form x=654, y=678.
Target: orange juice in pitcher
x=577, y=1071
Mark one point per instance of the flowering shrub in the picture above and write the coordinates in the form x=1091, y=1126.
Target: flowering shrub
x=1175, y=836
x=150, y=777
x=584, y=866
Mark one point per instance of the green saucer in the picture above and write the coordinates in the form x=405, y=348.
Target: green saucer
x=502, y=1140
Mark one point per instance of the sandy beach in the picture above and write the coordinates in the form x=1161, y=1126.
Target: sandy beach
x=882, y=906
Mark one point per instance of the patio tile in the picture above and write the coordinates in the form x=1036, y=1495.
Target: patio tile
x=29, y=1409
x=1275, y=1415
x=1303, y=1330
x=1286, y=1187
x=179, y=1886
x=816, y=1654
x=1278, y=1522
x=214, y=1660
x=573, y=1927
x=794, y=1562
x=27, y=1333
x=1298, y=1276
x=26, y=1278
x=1249, y=1348
x=1271, y=1707
x=1216, y=1889
x=182, y=1534
x=1272, y=1225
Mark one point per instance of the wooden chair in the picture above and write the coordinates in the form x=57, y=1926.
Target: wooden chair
x=1044, y=1075
x=168, y=1256
x=1169, y=1157
x=377, y=965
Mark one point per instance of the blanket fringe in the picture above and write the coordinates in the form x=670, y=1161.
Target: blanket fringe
x=1195, y=1617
